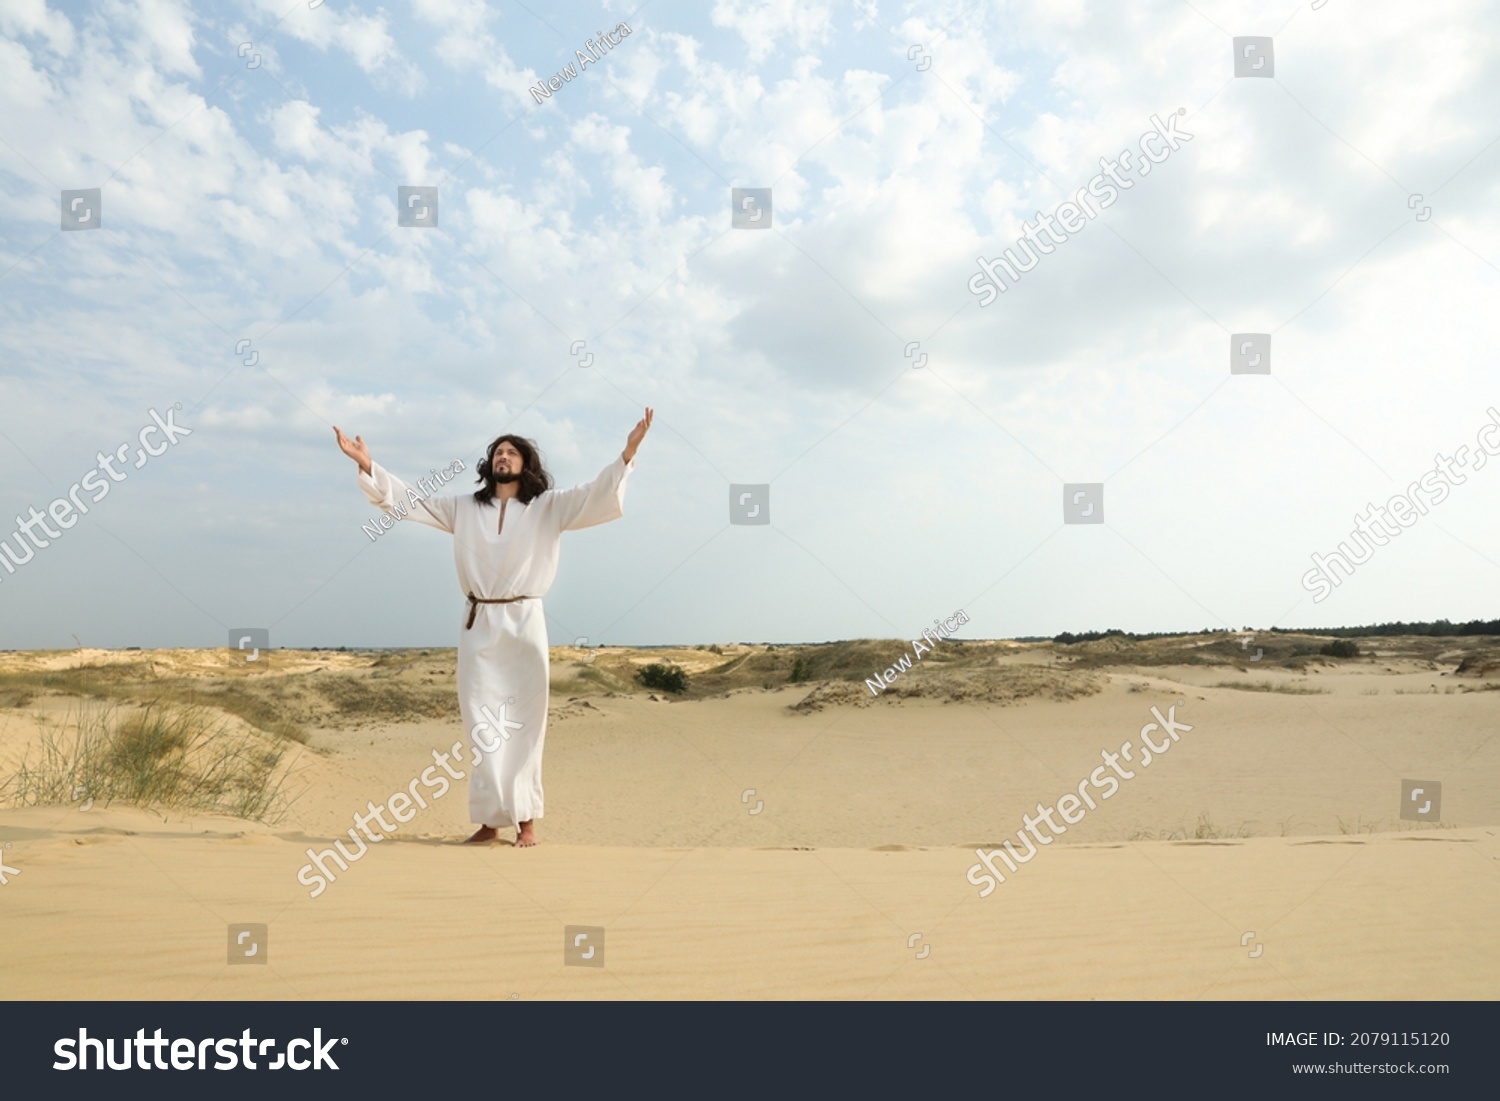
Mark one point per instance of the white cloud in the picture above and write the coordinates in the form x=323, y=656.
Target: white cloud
x=467, y=43
x=245, y=214
x=366, y=39
x=33, y=17
x=763, y=23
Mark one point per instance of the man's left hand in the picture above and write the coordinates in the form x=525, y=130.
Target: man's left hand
x=637, y=434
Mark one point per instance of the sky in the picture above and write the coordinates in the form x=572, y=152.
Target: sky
x=919, y=443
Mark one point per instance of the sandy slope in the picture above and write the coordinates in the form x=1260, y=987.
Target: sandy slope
x=144, y=915
x=869, y=821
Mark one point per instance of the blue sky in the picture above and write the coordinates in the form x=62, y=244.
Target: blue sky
x=248, y=157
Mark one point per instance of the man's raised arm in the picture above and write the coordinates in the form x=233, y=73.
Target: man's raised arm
x=603, y=499
x=384, y=490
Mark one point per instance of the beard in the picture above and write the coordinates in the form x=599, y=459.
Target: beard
x=506, y=478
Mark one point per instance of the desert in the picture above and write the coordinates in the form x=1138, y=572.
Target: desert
x=774, y=829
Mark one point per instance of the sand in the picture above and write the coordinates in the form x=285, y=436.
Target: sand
x=1262, y=857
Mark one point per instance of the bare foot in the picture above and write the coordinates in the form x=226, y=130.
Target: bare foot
x=526, y=835
x=483, y=834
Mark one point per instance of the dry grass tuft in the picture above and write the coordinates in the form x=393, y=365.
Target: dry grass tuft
x=1272, y=686
x=160, y=756
x=1203, y=830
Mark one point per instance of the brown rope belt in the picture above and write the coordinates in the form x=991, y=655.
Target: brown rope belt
x=475, y=601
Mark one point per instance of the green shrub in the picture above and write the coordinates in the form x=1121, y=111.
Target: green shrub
x=1340, y=648
x=665, y=677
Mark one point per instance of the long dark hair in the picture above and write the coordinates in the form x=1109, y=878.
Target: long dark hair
x=534, y=477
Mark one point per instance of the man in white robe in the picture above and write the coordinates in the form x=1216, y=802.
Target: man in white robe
x=506, y=551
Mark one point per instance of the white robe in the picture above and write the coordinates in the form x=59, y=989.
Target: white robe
x=502, y=659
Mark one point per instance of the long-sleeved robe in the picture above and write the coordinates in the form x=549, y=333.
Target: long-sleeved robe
x=505, y=549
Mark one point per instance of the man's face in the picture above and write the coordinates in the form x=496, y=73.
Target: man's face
x=506, y=464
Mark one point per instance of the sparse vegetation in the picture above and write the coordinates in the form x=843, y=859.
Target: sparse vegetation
x=1203, y=830
x=16, y=695
x=1484, y=663
x=1340, y=648
x=1068, y=638
x=1271, y=686
x=1437, y=628
x=135, y=682
x=171, y=758
x=362, y=697
x=299, y=691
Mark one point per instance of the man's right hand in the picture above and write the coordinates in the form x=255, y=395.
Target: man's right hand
x=355, y=449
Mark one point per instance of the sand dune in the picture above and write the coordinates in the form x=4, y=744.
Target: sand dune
x=734, y=846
